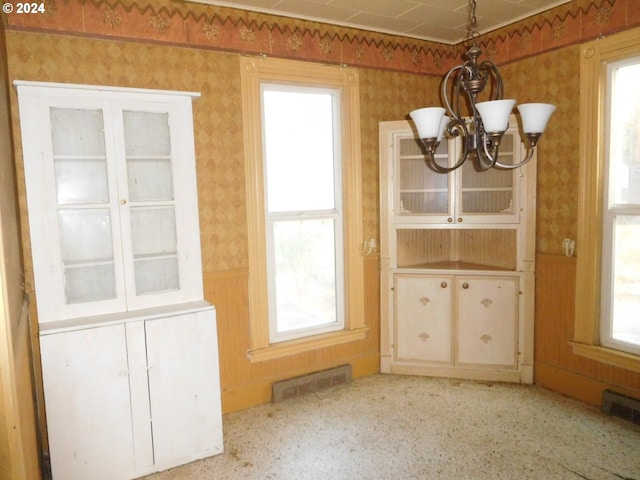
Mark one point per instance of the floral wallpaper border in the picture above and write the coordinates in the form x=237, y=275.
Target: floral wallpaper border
x=183, y=23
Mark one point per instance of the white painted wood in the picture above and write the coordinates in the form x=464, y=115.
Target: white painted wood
x=456, y=240
x=184, y=387
x=128, y=399
x=86, y=388
x=35, y=102
x=424, y=330
x=487, y=320
x=139, y=392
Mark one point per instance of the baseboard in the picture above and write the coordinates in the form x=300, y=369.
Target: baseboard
x=569, y=383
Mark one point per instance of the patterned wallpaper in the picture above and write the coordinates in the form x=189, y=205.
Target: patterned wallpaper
x=553, y=77
x=177, y=22
x=179, y=46
x=217, y=117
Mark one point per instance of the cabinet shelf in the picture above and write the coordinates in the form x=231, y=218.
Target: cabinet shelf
x=458, y=265
x=80, y=158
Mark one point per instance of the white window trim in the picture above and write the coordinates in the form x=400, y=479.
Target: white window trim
x=595, y=57
x=257, y=70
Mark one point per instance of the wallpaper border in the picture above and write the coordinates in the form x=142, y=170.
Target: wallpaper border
x=186, y=24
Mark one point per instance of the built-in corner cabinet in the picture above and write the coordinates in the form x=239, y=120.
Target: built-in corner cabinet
x=128, y=345
x=457, y=261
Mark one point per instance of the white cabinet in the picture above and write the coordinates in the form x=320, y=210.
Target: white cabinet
x=128, y=345
x=456, y=320
x=110, y=177
x=457, y=261
x=129, y=398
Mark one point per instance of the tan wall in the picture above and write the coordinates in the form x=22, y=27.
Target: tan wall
x=555, y=77
x=19, y=451
x=385, y=95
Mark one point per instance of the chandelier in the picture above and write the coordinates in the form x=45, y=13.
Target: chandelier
x=482, y=130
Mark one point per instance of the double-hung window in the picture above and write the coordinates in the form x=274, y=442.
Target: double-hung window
x=304, y=219
x=302, y=164
x=607, y=318
x=620, y=316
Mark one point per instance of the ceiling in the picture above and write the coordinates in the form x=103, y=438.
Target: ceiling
x=442, y=21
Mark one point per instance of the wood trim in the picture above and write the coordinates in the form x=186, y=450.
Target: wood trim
x=254, y=70
x=313, y=343
x=594, y=59
x=609, y=356
x=569, y=383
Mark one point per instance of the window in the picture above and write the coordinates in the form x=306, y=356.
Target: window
x=620, y=326
x=607, y=325
x=303, y=211
x=302, y=140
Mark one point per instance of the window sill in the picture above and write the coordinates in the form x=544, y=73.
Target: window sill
x=609, y=356
x=293, y=347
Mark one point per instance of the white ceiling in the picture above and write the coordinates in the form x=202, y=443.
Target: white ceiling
x=443, y=21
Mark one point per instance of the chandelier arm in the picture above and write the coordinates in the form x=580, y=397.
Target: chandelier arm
x=530, y=152
x=431, y=161
x=486, y=159
x=492, y=68
x=445, y=97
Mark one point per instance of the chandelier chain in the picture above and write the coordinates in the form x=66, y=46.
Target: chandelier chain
x=472, y=25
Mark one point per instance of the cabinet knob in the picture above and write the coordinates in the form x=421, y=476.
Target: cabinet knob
x=449, y=219
x=459, y=219
x=465, y=285
x=443, y=285
x=123, y=201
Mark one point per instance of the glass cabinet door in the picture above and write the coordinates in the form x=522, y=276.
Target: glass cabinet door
x=421, y=193
x=489, y=196
x=152, y=213
x=84, y=212
x=112, y=197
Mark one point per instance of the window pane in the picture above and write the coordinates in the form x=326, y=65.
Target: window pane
x=626, y=281
x=80, y=162
x=76, y=132
x=87, y=255
x=299, y=150
x=625, y=134
x=148, y=147
x=305, y=274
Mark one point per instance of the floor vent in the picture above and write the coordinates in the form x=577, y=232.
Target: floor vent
x=620, y=406
x=313, y=382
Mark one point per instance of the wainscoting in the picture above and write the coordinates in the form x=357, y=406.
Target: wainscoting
x=245, y=384
x=556, y=366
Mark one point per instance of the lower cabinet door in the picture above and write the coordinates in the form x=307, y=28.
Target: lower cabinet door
x=86, y=390
x=487, y=320
x=184, y=387
x=423, y=325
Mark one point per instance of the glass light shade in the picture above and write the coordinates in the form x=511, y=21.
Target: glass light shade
x=443, y=125
x=428, y=121
x=535, y=116
x=495, y=114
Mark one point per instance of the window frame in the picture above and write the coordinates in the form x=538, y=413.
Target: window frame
x=595, y=58
x=257, y=70
x=335, y=214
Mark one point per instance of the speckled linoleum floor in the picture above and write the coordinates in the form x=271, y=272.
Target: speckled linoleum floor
x=401, y=427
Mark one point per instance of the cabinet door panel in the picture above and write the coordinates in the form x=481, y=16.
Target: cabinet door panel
x=422, y=195
x=86, y=389
x=182, y=356
x=487, y=320
x=423, y=318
